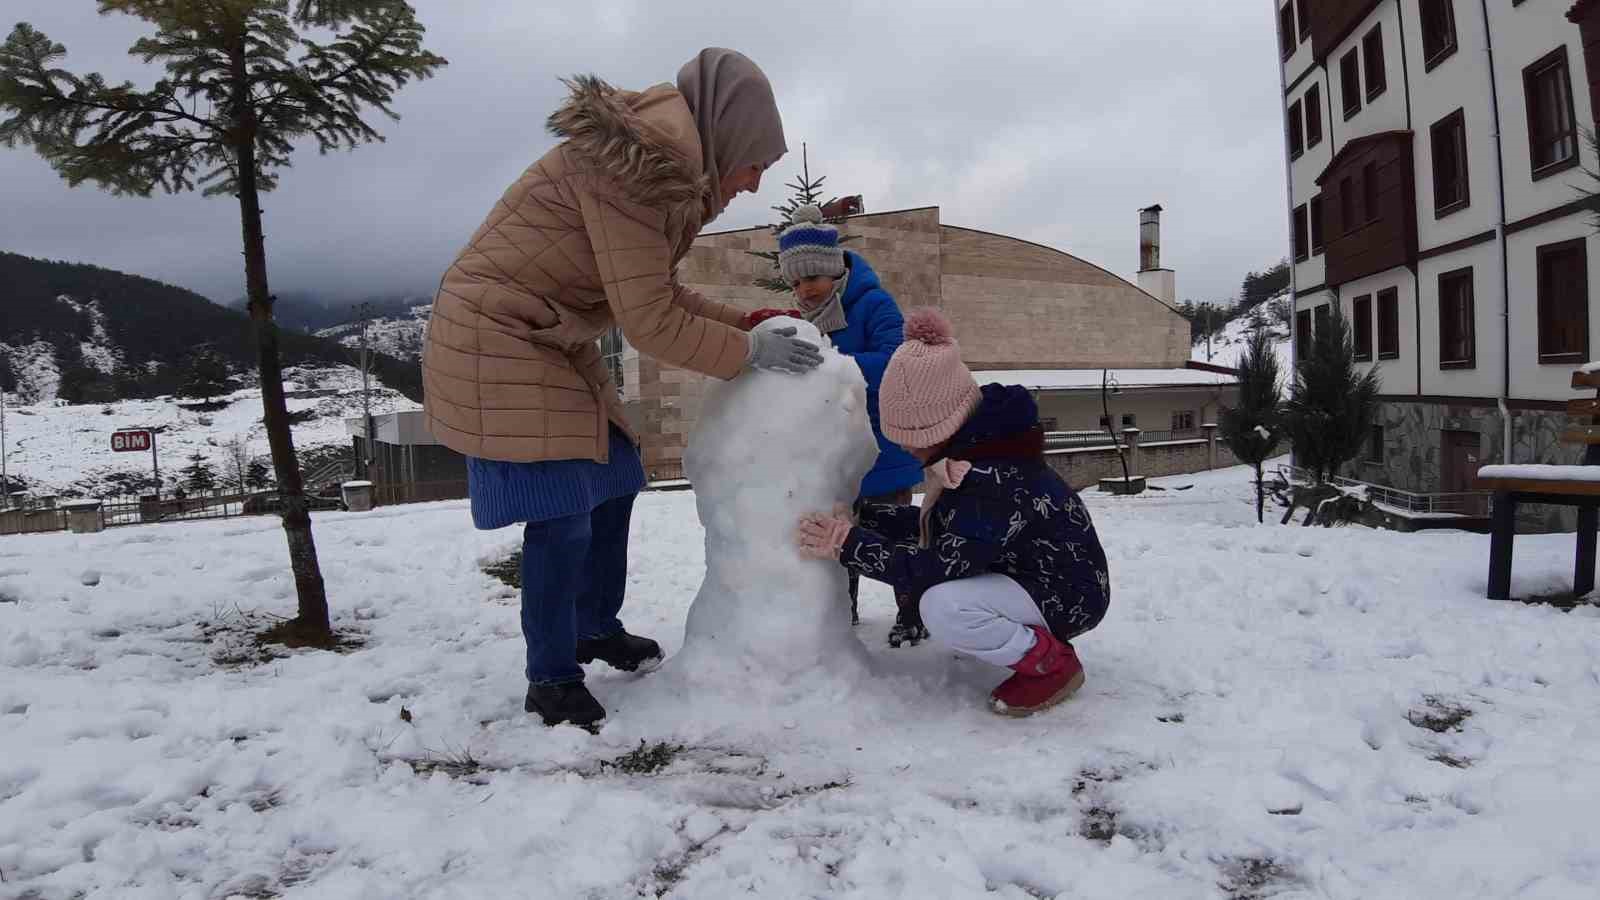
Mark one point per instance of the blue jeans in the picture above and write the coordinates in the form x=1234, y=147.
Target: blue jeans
x=574, y=575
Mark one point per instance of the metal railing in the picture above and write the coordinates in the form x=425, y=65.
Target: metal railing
x=1456, y=503
x=1066, y=440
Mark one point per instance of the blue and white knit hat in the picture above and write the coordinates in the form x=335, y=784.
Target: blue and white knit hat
x=809, y=247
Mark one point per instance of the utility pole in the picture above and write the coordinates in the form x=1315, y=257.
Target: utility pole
x=364, y=464
x=5, y=482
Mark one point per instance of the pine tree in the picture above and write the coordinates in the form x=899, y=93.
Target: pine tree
x=244, y=81
x=257, y=475
x=1252, y=430
x=207, y=375
x=199, y=474
x=1330, y=409
x=806, y=191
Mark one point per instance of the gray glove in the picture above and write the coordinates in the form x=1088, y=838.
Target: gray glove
x=779, y=350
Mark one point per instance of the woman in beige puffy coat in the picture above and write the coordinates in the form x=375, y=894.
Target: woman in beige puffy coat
x=589, y=238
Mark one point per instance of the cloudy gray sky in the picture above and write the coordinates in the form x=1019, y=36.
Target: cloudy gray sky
x=1052, y=121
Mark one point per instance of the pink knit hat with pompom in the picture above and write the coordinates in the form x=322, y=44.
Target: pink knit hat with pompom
x=927, y=392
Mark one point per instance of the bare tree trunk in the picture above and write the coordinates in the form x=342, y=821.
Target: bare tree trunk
x=1261, y=497
x=310, y=626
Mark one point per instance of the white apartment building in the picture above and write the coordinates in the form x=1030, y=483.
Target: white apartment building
x=1436, y=153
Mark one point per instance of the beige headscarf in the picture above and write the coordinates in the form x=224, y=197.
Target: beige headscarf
x=735, y=113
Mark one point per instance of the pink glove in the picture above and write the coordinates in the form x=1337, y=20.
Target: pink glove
x=822, y=536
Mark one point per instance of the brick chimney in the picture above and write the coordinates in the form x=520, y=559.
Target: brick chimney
x=1154, y=280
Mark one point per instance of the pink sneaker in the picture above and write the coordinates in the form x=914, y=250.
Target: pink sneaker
x=1046, y=675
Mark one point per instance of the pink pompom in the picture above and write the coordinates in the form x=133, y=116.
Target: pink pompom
x=928, y=325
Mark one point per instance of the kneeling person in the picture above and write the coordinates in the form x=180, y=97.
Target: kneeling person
x=1002, y=553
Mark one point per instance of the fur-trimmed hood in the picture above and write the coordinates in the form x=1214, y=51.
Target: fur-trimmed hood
x=645, y=140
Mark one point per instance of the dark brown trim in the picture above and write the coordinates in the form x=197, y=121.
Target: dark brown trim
x=1314, y=289
x=1456, y=121
x=1445, y=51
x=1208, y=367
x=1303, y=76
x=1351, y=102
x=1558, y=55
x=1511, y=404
x=1473, y=241
x=1374, y=90
x=1471, y=361
x=1550, y=215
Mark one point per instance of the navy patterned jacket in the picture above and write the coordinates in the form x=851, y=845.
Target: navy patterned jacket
x=1012, y=514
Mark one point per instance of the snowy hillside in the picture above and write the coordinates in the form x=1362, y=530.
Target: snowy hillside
x=59, y=448
x=1226, y=347
x=34, y=365
x=1270, y=712
x=397, y=336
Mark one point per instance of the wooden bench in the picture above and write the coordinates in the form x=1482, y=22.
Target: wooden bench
x=1577, y=486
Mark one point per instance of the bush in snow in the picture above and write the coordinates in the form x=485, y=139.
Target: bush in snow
x=1330, y=408
x=1252, y=429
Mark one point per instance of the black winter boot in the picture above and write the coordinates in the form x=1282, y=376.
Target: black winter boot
x=908, y=628
x=571, y=702
x=622, y=651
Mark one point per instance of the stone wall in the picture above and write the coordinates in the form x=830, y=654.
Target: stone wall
x=1413, y=445
x=1083, y=468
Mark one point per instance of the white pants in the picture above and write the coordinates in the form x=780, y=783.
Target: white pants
x=986, y=616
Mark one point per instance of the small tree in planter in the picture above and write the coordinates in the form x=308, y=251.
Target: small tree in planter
x=1252, y=430
x=1330, y=409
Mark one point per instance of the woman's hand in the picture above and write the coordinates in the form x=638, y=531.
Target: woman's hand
x=822, y=536
x=779, y=350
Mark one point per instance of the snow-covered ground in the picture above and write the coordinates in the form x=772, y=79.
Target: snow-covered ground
x=61, y=448
x=1270, y=711
x=1228, y=346
x=397, y=336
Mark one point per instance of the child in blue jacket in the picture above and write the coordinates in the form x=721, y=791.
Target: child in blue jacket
x=1002, y=558
x=840, y=294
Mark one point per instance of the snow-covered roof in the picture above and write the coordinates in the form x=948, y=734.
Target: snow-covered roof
x=1538, y=472
x=1089, y=379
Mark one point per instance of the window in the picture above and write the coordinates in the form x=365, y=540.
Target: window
x=1347, y=205
x=612, y=346
x=1297, y=144
x=1129, y=420
x=1286, y=29
x=1183, y=421
x=1438, y=31
x=1313, y=102
x=1324, y=316
x=1375, y=444
x=1302, y=334
x=1372, y=50
x=1305, y=20
x=1302, y=239
x=1369, y=192
x=1564, y=302
x=1457, y=337
x=1361, y=309
x=1389, y=323
x=1105, y=422
x=1451, y=189
x=1315, y=215
x=1552, y=128
x=1350, y=82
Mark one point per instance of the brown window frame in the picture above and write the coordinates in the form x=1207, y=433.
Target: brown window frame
x=1301, y=235
x=1297, y=135
x=1361, y=326
x=1448, y=43
x=1456, y=121
x=1182, y=421
x=1302, y=333
x=1581, y=354
x=1369, y=193
x=1286, y=30
x=1314, y=220
x=1350, y=70
x=1388, y=303
x=1556, y=58
x=1470, y=361
x=1373, y=68
x=1313, y=104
